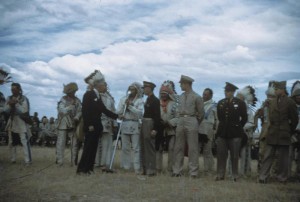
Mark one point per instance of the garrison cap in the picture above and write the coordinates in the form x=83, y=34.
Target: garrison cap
x=230, y=87
x=148, y=84
x=186, y=79
x=280, y=84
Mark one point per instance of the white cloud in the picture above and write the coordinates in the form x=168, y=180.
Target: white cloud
x=47, y=43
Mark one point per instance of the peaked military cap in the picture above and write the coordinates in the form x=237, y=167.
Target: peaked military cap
x=148, y=84
x=230, y=87
x=280, y=84
x=186, y=79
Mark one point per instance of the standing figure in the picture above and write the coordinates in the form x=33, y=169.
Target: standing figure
x=168, y=109
x=151, y=130
x=295, y=140
x=104, y=150
x=232, y=116
x=208, y=128
x=283, y=118
x=190, y=114
x=130, y=131
x=92, y=109
x=69, y=113
x=17, y=106
x=247, y=95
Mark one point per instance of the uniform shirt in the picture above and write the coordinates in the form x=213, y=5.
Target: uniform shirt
x=109, y=103
x=68, y=110
x=152, y=110
x=232, y=116
x=283, y=120
x=191, y=104
x=133, y=113
x=210, y=119
x=15, y=123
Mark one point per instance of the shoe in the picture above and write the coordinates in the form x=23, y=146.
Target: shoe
x=176, y=175
x=219, y=178
x=234, y=179
x=262, y=181
x=194, y=176
x=151, y=175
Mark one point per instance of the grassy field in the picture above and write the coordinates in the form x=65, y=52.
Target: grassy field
x=45, y=181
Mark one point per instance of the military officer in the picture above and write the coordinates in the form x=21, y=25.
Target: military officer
x=190, y=113
x=283, y=118
x=232, y=116
x=151, y=129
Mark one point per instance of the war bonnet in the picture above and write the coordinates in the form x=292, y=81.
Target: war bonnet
x=249, y=94
x=95, y=77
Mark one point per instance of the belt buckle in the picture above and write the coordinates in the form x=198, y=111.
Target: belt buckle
x=185, y=116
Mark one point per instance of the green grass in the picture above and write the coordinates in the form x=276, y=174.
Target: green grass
x=45, y=181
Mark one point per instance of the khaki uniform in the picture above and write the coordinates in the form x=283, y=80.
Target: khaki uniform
x=190, y=114
x=283, y=120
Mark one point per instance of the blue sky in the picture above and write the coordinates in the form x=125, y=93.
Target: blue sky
x=45, y=44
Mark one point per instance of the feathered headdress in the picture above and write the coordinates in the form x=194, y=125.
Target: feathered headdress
x=169, y=88
x=4, y=77
x=249, y=94
x=295, y=88
x=96, y=76
x=138, y=86
x=271, y=89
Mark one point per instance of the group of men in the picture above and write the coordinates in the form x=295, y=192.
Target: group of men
x=169, y=120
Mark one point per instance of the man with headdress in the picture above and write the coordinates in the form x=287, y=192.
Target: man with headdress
x=168, y=108
x=133, y=105
x=150, y=130
x=17, y=106
x=104, y=150
x=207, y=129
x=283, y=118
x=232, y=116
x=92, y=109
x=69, y=113
x=295, y=139
x=190, y=114
x=263, y=114
x=247, y=95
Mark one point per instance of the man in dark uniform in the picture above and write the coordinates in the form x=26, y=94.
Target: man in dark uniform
x=151, y=130
x=92, y=109
x=283, y=118
x=232, y=115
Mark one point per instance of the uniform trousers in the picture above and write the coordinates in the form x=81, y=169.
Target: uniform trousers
x=148, y=147
x=282, y=162
x=187, y=131
x=223, y=146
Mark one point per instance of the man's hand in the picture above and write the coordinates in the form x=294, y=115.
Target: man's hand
x=91, y=128
x=153, y=133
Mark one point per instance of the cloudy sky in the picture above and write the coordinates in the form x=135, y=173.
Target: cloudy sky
x=47, y=43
